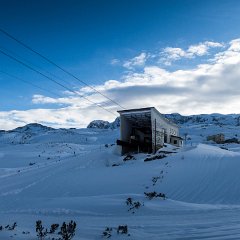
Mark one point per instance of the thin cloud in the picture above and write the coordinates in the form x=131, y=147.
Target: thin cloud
x=137, y=61
x=115, y=61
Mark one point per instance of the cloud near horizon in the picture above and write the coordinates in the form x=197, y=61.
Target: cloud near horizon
x=205, y=88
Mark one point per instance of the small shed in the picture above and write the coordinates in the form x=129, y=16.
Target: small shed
x=217, y=138
x=146, y=130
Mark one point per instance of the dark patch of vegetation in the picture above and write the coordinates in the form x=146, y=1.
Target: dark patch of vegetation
x=151, y=195
x=31, y=164
x=122, y=229
x=133, y=205
x=53, y=228
x=40, y=230
x=9, y=227
x=157, y=178
x=67, y=231
x=107, y=233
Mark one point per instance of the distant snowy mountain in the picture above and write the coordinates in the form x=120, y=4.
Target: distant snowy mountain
x=215, y=118
x=32, y=128
x=33, y=133
x=104, y=124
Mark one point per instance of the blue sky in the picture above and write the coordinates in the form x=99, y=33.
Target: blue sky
x=127, y=42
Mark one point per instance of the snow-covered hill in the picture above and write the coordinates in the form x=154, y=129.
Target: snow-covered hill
x=58, y=175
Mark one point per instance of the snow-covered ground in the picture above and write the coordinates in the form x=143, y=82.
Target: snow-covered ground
x=78, y=174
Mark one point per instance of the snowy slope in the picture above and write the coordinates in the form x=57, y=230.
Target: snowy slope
x=57, y=175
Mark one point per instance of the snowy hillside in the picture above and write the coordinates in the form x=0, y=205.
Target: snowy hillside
x=57, y=175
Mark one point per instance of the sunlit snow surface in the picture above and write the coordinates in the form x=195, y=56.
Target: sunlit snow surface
x=63, y=175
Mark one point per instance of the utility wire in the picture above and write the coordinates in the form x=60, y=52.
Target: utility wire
x=34, y=65
x=56, y=65
x=30, y=83
x=63, y=86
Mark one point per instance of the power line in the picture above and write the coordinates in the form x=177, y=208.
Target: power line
x=34, y=65
x=56, y=65
x=63, y=86
x=30, y=83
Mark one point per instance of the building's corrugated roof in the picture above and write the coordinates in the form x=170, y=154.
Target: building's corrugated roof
x=136, y=110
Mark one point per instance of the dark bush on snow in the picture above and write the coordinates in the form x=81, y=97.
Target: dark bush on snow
x=9, y=227
x=151, y=195
x=41, y=231
x=122, y=229
x=68, y=230
x=107, y=233
x=53, y=228
x=133, y=204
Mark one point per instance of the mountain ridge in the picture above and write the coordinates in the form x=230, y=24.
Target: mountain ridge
x=213, y=118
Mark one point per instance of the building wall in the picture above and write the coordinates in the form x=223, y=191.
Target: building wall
x=218, y=138
x=126, y=128
x=163, y=126
x=164, y=130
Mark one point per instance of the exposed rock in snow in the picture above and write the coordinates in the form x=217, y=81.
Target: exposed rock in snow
x=99, y=124
x=104, y=124
x=115, y=124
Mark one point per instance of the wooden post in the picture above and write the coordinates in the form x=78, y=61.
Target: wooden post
x=155, y=136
